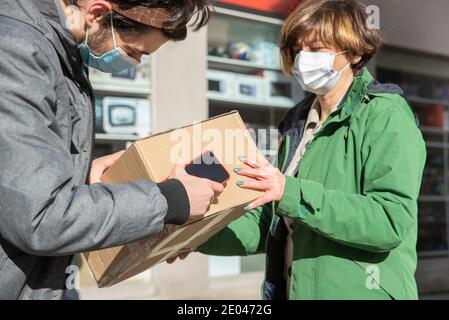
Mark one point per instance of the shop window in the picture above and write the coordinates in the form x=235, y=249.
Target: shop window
x=425, y=82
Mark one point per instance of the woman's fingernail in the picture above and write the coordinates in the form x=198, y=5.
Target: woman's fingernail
x=241, y=158
x=237, y=170
x=240, y=183
x=246, y=208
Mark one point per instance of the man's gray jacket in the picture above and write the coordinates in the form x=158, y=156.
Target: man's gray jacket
x=47, y=212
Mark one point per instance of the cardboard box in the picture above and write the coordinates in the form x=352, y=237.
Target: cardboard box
x=153, y=158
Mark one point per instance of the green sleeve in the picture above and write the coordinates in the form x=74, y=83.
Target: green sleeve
x=245, y=236
x=385, y=212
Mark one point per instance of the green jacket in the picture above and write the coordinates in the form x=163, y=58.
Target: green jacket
x=354, y=203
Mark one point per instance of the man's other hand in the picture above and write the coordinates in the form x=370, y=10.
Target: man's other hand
x=100, y=165
x=201, y=191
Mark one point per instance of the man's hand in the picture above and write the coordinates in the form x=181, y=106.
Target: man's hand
x=100, y=165
x=201, y=191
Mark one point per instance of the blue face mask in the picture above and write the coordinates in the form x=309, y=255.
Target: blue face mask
x=113, y=61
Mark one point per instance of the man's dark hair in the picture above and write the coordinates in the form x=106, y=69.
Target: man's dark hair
x=193, y=13
x=197, y=12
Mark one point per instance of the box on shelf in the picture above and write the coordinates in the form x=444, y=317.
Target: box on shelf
x=250, y=88
x=267, y=54
x=235, y=86
x=281, y=90
x=268, y=87
x=221, y=84
x=153, y=158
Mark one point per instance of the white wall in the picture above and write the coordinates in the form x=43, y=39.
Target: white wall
x=179, y=82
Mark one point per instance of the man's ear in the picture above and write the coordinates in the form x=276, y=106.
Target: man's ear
x=96, y=11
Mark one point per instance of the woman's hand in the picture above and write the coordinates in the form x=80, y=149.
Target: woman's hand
x=269, y=179
x=181, y=256
x=100, y=165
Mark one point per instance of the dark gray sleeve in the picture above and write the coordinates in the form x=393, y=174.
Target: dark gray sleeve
x=42, y=211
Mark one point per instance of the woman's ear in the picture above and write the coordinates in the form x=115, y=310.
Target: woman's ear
x=355, y=59
x=96, y=11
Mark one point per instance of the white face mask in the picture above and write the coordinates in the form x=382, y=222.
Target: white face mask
x=315, y=71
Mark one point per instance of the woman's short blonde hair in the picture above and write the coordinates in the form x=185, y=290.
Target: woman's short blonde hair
x=336, y=23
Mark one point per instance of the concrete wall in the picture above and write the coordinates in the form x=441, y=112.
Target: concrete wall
x=179, y=82
x=415, y=24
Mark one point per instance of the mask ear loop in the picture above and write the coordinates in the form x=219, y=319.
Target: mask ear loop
x=113, y=32
x=345, y=67
x=120, y=50
x=87, y=36
x=337, y=54
x=347, y=64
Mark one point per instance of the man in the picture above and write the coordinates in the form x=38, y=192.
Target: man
x=48, y=211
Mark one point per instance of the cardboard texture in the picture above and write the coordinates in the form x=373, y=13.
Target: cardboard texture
x=153, y=158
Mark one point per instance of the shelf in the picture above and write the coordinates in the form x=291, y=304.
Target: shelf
x=119, y=91
x=270, y=153
x=432, y=222
x=433, y=199
x=115, y=137
x=433, y=254
x=245, y=103
x=235, y=65
x=434, y=130
x=248, y=16
x=440, y=145
x=427, y=101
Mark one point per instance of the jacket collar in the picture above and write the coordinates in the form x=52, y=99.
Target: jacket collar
x=50, y=9
x=53, y=12
x=363, y=86
x=43, y=16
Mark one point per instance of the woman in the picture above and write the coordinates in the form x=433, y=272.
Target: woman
x=339, y=215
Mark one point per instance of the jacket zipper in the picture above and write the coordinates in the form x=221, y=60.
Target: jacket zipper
x=287, y=151
x=94, y=116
